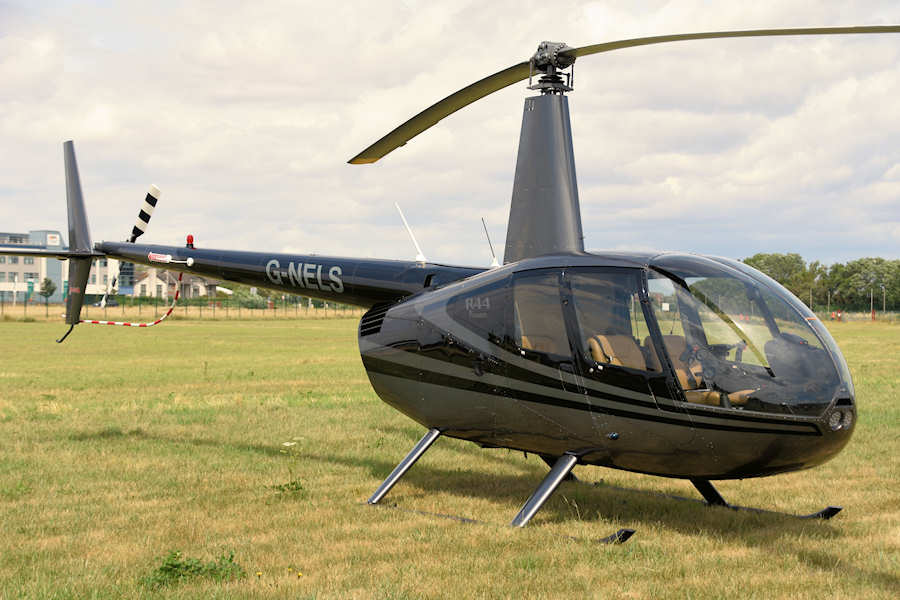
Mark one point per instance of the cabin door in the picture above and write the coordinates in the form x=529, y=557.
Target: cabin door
x=623, y=377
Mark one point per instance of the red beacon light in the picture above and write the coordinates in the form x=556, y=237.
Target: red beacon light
x=190, y=241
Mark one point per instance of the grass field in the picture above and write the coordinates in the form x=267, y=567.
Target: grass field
x=263, y=439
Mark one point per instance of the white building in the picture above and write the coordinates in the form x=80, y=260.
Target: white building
x=158, y=283
x=17, y=271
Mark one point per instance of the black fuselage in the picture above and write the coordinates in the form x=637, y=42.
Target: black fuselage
x=459, y=359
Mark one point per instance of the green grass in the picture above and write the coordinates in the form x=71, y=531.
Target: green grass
x=263, y=439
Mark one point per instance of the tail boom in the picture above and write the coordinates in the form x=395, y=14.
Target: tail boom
x=361, y=282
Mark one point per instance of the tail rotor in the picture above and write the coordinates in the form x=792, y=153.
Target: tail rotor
x=143, y=219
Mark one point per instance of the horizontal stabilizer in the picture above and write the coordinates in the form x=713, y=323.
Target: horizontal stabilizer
x=61, y=254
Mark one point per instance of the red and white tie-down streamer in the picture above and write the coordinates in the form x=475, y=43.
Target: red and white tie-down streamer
x=156, y=322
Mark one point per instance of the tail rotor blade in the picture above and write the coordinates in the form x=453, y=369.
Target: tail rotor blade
x=143, y=219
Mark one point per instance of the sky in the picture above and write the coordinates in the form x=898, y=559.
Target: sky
x=245, y=114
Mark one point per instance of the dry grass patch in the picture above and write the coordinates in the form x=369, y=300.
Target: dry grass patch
x=119, y=447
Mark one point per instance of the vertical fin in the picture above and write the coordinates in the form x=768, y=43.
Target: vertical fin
x=79, y=232
x=79, y=238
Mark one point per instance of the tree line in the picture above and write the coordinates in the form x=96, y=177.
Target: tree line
x=854, y=286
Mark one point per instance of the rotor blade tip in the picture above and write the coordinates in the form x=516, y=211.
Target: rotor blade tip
x=154, y=191
x=362, y=160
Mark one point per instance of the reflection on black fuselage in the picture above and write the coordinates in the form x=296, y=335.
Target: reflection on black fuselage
x=483, y=384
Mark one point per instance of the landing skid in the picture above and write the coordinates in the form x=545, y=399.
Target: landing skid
x=619, y=537
x=560, y=471
x=714, y=498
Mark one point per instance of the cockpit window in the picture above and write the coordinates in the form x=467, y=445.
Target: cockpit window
x=482, y=309
x=538, y=324
x=734, y=342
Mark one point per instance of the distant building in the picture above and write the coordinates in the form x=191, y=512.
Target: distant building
x=17, y=271
x=158, y=283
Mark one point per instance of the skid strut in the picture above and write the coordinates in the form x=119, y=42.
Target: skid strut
x=549, y=461
x=559, y=472
x=404, y=466
x=562, y=467
x=714, y=498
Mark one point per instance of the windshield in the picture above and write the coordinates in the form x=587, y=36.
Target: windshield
x=736, y=342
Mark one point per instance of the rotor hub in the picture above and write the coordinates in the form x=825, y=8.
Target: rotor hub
x=550, y=60
x=552, y=54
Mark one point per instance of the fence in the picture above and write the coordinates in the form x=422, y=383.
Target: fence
x=889, y=316
x=146, y=309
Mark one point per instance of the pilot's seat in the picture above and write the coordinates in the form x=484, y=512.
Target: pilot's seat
x=690, y=377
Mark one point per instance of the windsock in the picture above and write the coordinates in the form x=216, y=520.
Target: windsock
x=140, y=226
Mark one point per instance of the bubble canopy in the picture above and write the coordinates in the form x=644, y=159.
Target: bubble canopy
x=738, y=339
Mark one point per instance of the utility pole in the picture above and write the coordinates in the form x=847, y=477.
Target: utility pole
x=883, y=299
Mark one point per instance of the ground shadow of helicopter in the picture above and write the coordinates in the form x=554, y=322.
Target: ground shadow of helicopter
x=675, y=365
x=596, y=500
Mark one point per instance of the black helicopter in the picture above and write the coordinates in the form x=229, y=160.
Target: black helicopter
x=676, y=365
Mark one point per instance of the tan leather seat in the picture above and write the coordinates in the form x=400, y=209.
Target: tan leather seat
x=691, y=377
x=688, y=376
x=713, y=398
x=539, y=343
x=707, y=397
x=620, y=350
x=740, y=397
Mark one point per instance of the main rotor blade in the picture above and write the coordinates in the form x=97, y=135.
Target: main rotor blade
x=452, y=103
x=434, y=113
x=680, y=37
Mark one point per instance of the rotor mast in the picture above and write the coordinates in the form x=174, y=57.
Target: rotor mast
x=545, y=215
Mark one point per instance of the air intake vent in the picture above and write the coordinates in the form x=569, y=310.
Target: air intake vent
x=372, y=320
x=844, y=402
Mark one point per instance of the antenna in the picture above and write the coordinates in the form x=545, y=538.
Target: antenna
x=420, y=258
x=494, y=262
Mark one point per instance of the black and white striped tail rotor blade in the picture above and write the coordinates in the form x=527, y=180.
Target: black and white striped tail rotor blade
x=140, y=226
